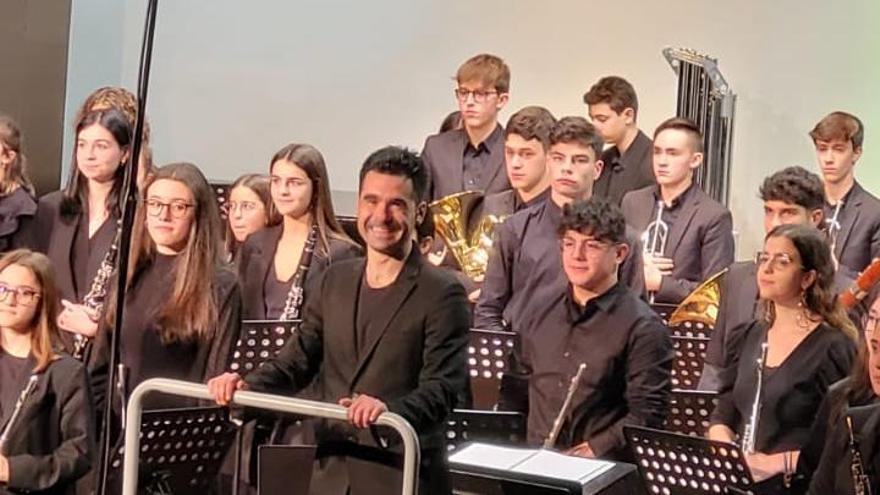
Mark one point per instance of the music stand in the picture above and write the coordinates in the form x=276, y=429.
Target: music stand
x=687, y=367
x=671, y=463
x=692, y=329
x=497, y=427
x=663, y=310
x=487, y=362
x=181, y=450
x=689, y=411
x=221, y=194
x=259, y=341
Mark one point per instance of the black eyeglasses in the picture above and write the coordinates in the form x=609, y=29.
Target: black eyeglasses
x=478, y=94
x=177, y=208
x=23, y=295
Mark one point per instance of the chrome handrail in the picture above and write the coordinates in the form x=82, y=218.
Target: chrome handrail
x=260, y=401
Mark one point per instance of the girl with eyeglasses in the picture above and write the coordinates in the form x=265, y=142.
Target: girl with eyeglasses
x=277, y=264
x=183, y=303
x=47, y=436
x=249, y=209
x=77, y=225
x=17, y=204
x=811, y=344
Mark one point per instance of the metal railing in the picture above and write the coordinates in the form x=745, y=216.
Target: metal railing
x=260, y=401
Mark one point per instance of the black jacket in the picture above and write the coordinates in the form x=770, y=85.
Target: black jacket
x=52, y=442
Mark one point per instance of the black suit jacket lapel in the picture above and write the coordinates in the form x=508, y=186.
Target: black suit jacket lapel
x=19, y=385
x=458, y=169
x=401, y=290
x=677, y=229
x=344, y=294
x=849, y=221
x=62, y=240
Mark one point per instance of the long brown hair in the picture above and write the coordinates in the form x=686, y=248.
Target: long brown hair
x=259, y=184
x=15, y=175
x=191, y=311
x=308, y=158
x=820, y=298
x=126, y=102
x=44, y=331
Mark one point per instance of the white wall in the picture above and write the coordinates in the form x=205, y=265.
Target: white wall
x=233, y=81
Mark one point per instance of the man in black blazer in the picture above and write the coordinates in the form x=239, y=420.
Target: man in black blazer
x=852, y=214
x=613, y=107
x=699, y=235
x=472, y=158
x=384, y=333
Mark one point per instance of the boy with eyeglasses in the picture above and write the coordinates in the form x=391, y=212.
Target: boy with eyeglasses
x=472, y=158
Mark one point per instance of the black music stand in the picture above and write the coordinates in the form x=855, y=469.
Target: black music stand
x=259, y=341
x=671, y=463
x=687, y=367
x=487, y=362
x=181, y=450
x=692, y=329
x=664, y=310
x=497, y=427
x=689, y=412
x=221, y=194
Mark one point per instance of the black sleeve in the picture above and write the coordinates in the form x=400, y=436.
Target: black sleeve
x=444, y=362
x=513, y=392
x=631, y=272
x=227, y=330
x=812, y=451
x=73, y=457
x=36, y=231
x=428, y=162
x=726, y=412
x=497, y=290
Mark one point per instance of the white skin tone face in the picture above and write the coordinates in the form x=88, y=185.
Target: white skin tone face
x=675, y=159
x=610, y=124
x=388, y=213
x=781, y=213
x=590, y=264
x=782, y=278
x=836, y=159
x=247, y=213
x=872, y=337
x=98, y=155
x=573, y=169
x=19, y=298
x=483, y=114
x=170, y=215
x=291, y=189
x=526, y=163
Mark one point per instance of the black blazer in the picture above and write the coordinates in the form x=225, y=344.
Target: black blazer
x=416, y=365
x=858, y=241
x=52, y=443
x=17, y=211
x=700, y=241
x=53, y=236
x=255, y=260
x=443, y=155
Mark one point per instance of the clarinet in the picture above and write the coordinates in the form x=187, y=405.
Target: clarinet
x=751, y=429
x=26, y=391
x=861, y=482
x=550, y=441
x=94, y=299
x=293, y=303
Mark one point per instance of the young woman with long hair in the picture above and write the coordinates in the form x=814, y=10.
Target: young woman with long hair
x=17, y=204
x=249, y=209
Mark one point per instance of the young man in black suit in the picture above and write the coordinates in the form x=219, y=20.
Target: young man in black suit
x=699, y=230
x=852, y=214
x=613, y=108
x=472, y=158
x=387, y=332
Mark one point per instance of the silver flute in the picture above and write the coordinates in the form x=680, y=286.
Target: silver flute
x=550, y=441
x=751, y=429
x=861, y=482
x=25, y=392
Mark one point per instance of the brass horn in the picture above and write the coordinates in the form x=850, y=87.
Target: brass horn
x=470, y=246
x=702, y=304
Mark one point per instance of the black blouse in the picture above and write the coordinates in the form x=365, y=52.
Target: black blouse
x=17, y=210
x=791, y=395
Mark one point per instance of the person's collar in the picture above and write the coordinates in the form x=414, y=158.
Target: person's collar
x=488, y=143
x=519, y=204
x=678, y=200
x=603, y=302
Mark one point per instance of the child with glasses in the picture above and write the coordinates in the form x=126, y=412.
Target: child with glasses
x=47, y=439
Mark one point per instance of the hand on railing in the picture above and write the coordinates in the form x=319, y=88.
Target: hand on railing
x=363, y=410
x=224, y=386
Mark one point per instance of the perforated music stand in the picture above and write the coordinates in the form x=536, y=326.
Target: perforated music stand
x=497, y=427
x=689, y=411
x=663, y=310
x=259, y=341
x=687, y=367
x=221, y=194
x=487, y=362
x=181, y=450
x=671, y=463
x=692, y=329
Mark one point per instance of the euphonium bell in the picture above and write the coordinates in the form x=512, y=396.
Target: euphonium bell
x=702, y=304
x=470, y=247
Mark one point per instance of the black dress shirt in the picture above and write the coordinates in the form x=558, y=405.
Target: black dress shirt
x=475, y=161
x=632, y=170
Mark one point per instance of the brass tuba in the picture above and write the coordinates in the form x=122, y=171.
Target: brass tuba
x=470, y=246
x=702, y=304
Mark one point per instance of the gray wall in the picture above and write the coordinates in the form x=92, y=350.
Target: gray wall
x=234, y=81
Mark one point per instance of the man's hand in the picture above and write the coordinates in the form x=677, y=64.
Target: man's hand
x=76, y=318
x=474, y=296
x=656, y=267
x=223, y=387
x=363, y=410
x=581, y=450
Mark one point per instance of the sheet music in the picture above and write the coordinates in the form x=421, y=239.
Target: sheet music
x=490, y=456
x=560, y=466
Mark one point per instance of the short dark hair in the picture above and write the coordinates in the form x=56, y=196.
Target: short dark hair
x=685, y=125
x=596, y=217
x=616, y=91
x=840, y=126
x=451, y=122
x=531, y=123
x=794, y=185
x=577, y=130
x=394, y=160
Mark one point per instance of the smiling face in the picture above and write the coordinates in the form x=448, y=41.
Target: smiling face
x=388, y=213
x=98, y=154
x=19, y=298
x=291, y=189
x=171, y=211
x=247, y=213
x=590, y=263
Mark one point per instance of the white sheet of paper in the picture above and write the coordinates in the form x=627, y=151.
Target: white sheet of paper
x=555, y=465
x=490, y=456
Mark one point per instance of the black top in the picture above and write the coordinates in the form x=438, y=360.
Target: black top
x=142, y=350
x=858, y=241
x=834, y=473
x=275, y=293
x=525, y=267
x=13, y=371
x=672, y=210
x=370, y=306
x=628, y=172
x=17, y=210
x=476, y=159
x=88, y=252
x=790, y=396
x=628, y=353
